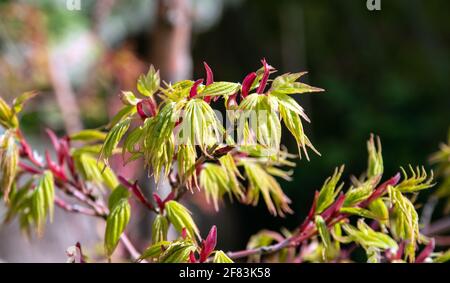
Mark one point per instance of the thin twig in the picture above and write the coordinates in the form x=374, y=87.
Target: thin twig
x=261, y=250
x=75, y=208
x=129, y=246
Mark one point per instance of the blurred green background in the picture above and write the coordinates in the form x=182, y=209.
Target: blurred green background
x=385, y=72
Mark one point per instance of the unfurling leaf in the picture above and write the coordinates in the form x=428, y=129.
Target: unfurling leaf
x=113, y=138
x=125, y=113
x=405, y=222
x=159, y=229
x=209, y=244
x=220, y=89
x=42, y=201
x=260, y=182
x=329, y=190
x=287, y=84
x=116, y=223
x=368, y=238
x=180, y=217
x=9, y=158
x=291, y=113
x=375, y=160
x=177, y=252
x=159, y=143
x=359, y=212
x=228, y=164
x=217, y=180
x=443, y=257
x=155, y=250
x=380, y=210
x=214, y=181
x=20, y=101
x=247, y=84
x=88, y=136
x=91, y=170
x=221, y=257
x=323, y=231
x=133, y=143
x=128, y=98
x=361, y=192
x=117, y=195
x=149, y=84
x=417, y=182
x=7, y=117
x=200, y=125
x=259, y=115
x=186, y=157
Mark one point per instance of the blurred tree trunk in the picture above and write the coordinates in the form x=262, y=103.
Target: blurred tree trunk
x=64, y=93
x=171, y=40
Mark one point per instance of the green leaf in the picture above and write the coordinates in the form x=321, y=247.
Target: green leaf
x=180, y=217
x=155, y=250
x=128, y=98
x=88, y=136
x=9, y=158
x=116, y=223
x=177, y=91
x=133, y=140
x=259, y=114
x=200, y=125
x=444, y=257
x=117, y=195
x=148, y=84
x=177, y=252
x=286, y=79
x=359, y=212
x=373, y=255
x=214, y=181
x=20, y=101
x=291, y=112
x=126, y=112
x=329, y=190
x=19, y=200
x=159, y=143
x=289, y=103
x=159, y=229
x=228, y=164
x=42, y=201
x=260, y=182
x=221, y=257
x=262, y=238
x=380, y=210
x=358, y=194
x=405, y=222
x=287, y=84
x=368, y=238
x=7, y=117
x=113, y=138
x=323, y=231
x=375, y=160
x=220, y=89
x=417, y=182
x=91, y=170
x=186, y=158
